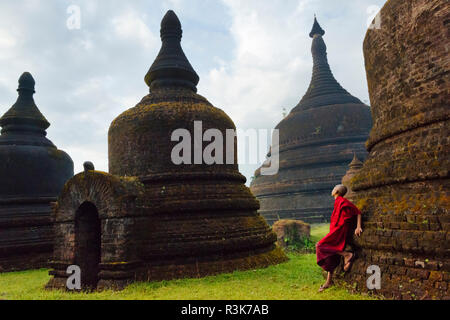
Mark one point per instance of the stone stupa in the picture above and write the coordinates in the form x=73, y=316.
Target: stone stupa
x=403, y=189
x=317, y=141
x=32, y=174
x=150, y=219
x=354, y=168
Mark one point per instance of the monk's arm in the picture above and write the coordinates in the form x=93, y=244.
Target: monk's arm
x=358, y=230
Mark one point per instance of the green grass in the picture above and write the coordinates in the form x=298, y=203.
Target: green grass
x=318, y=231
x=297, y=279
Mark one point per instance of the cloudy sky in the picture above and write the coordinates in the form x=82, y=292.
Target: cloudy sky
x=253, y=58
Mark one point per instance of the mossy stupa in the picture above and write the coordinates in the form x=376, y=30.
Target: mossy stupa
x=150, y=219
x=32, y=172
x=317, y=140
x=403, y=188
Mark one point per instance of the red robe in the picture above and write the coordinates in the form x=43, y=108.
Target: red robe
x=342, y=223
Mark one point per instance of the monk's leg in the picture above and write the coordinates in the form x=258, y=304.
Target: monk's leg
x=328, y=283
x=348, y=256
x=329, y=279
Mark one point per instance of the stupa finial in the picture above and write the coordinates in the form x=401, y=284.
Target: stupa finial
x=171, y=67
x=171, y=26
x=24, y=111
x=26, y=82
x=316, y=29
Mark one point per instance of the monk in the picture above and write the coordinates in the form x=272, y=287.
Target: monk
x=330, y=249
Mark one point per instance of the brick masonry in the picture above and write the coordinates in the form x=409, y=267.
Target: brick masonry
x=403, y=187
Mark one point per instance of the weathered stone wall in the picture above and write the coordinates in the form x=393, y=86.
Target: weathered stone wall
x=148, y=235
x=403, y=187
x=115, y=201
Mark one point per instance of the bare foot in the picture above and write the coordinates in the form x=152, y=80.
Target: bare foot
x=348, y=260
x=325, y=286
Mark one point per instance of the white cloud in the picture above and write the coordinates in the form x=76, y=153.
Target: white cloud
x=253, y=58
x=130, y=25
x=7, y=41
x=259, y=78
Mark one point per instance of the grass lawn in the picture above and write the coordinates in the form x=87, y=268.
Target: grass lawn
x=297, y=279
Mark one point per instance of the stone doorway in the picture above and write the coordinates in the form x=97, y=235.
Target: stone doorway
x=88, y=244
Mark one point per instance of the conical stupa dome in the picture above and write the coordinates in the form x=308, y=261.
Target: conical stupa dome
x=31, y=164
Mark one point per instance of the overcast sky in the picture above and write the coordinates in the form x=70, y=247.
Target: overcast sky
x=253, y=58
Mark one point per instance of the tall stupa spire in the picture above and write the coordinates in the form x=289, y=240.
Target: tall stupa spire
x=171, y=67
x=323, y=89
x=316, y=143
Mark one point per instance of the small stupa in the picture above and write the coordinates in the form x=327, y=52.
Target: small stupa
x=33, y=172
x=354, y=167
x=151, y=219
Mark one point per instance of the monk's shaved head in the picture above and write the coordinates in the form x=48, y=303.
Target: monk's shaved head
x=340, y=189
